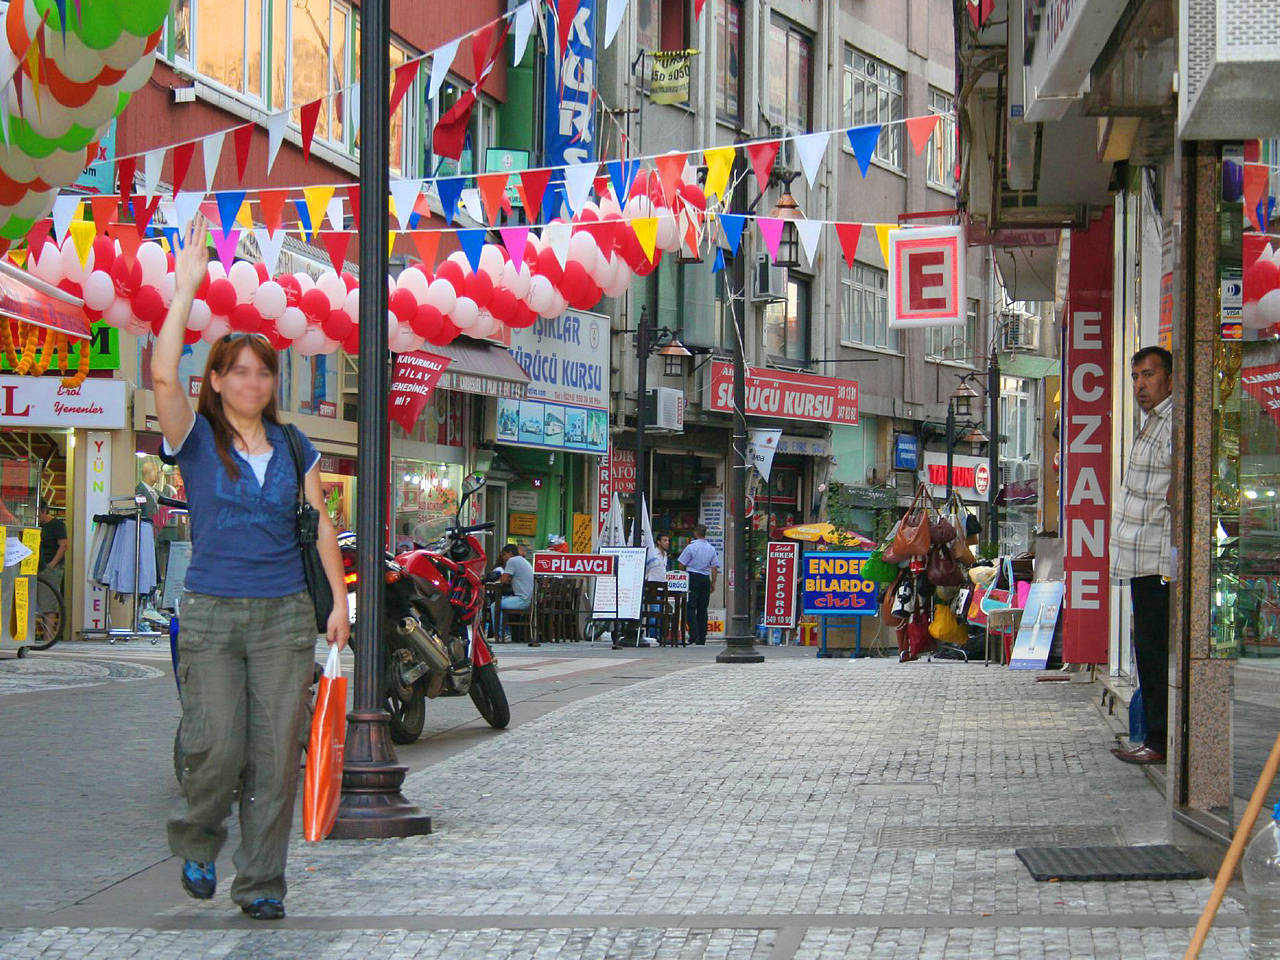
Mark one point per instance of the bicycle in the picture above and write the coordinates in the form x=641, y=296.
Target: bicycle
x=49, y=614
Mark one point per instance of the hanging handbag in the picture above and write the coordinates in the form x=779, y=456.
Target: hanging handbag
x=919, y=640
x=904, y=599
x=960, y=547
x=887, y=601
x=913, y=537
x=941, y=569
x=943, y=623
x=308, y=529
x=877, y=569
x=999, y=598
x=960, y=606
x=941, y=531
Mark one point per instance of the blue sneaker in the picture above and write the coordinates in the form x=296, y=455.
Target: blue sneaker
x=265, y=908
x=199, y=879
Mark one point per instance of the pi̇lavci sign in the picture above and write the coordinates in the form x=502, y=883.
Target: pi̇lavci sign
x=98, y=404
x=551, y=563
x=832, y=584
x=785, y=394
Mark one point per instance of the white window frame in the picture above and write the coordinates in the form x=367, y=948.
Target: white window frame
x=941, y=150
x=487, y=114
x=860, y=67
x=865, y=281
x=789, y=29
x=956, y=344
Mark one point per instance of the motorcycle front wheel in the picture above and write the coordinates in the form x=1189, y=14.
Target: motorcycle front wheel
x=489, y=697
x=408, y=715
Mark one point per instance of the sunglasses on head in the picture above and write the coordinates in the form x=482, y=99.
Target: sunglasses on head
x=239, y=335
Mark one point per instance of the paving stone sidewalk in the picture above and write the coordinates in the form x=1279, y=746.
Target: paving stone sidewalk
x=794, y=809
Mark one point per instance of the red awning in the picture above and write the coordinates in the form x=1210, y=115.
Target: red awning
x=27, y=298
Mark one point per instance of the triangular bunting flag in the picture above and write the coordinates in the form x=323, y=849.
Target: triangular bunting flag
x=143, y=212
x=670, y=170
x=104, y=207
x=242, y=137
x=882, y=238
x=126, y=167
x=622, y=173
x=212, y=149
x=493, y=192
x=470, y=200
x=811, y=148
x=919, y=130
x=450, y=189
x=65, y=209
x=718, y=265
x=557, y=235
x=271, y=206
x=848, y=234
x=523, y=27
x=82, y=234
x=353, y=200
x=229, y=204
x=172, y=236
x=809, y=231
x=333, y=212
x=481, y=42
x=762, y=156
x=732, y=224
x=245, y=216
x=577, y=184
x=646, y=229
x=404, y=193
x=337, y=242
x=771, y=232
x=309, y=116
x=441, y=61
x=276, y=124
x=270, y=243
x=182, y=155
x=426, y=242
x=719, y=163
x=534, y=185
x=515, y=239
x=391, y=243
x=566, y=12
x=152, y=165
x=863, y=140
x=406, y=73
x=449, y=136
x=39, y=233
x=317, y=202
x=472, y=242
x=613, y=13
x=305, y=223
x=225, y=245
x=19, y=256
x=129, y=241
x=601, y=185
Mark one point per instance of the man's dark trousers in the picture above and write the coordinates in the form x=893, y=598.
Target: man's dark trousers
x=699, y=597
x=1151, y=645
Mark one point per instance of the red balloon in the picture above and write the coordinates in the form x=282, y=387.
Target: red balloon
x=402, y=304
x=263, y=274
x=450, y=271
x=170, y=261
x=479, y=288
x=104, y=253
x=190, y=336
x=350, y=281
x=127, y=278
x=550, y=267
x=245, y=318
x=292, y=289
x=221, y=297
x=203, y=289
x=92, y=315
x=523, y=316
x=447, y=333
x=575, y=281
x=530, y=256
x=149, y=307
x=352, y=344
x=640, y=185
x=502, y=304
x=338, y=325
x=426, y=322
x=67, y=285
x=315, y=305
x=1262, y=277
x=692, y=194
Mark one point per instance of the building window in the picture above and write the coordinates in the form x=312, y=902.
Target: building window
x=786, y=323
x=873, y=94
x=729, y=60
x=660, y=25
x=956, y=343
x=866, y=308
x=941, y=152
x=790, y=76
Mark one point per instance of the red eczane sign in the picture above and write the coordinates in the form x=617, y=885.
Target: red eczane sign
x=550, y=563
x=1086, y=446
x=780, y=584
x=787, y=395
x=927, y=277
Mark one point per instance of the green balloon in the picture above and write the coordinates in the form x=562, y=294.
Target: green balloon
x=99, y=27
x=142, y=17
x=15, y=228
x=49, y=8
x=36, y=146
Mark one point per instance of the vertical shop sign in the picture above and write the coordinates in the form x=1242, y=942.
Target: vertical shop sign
x=581, y=541
x=622, y=470
x=780, y=585
x=1086, y=445
x=570, y=93
x=712, y=517
x=97, y=499
x=604, y=496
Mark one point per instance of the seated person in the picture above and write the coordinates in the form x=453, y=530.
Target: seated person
x=518, y=574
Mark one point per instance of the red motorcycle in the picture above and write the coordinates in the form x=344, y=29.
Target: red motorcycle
x=432, y=636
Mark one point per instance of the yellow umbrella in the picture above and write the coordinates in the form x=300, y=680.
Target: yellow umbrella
x=827, y=533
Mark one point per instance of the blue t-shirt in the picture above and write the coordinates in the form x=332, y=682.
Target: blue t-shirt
x=244, y=539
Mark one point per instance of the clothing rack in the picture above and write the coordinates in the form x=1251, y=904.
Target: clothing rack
x=129, y=507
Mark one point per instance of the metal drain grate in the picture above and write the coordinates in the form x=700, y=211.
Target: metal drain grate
x=1155, y=862
x=986, y=837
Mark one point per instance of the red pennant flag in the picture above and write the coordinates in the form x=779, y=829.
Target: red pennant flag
x=601, y=186
x=310, y=114
x=670, y=170
x=182, y=155
x=405, y=74
x=533, y=184
x=127, y=167
x=848, y=234
x=271, y=206
x=973, y=13
x=39, y=233
x=337, y=242
x=919, y=130
x=762, y=157
x=697, y=9
x=129, y=240
x=142, y=214
x=243, y=136
x=566, y=10
x=480, y=44
x=450, y=133
x=104, y=210
x=493, y=189
x=427, y=242
x=353, y=198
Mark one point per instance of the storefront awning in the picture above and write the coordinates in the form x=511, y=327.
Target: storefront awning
x=27, y=298
x=481, y=368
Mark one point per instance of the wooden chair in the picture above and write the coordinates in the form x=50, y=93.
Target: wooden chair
x=654, y=612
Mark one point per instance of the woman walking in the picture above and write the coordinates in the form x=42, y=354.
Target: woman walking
x=247, y=643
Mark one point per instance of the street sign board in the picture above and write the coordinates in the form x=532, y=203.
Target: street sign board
x=552, y=563
x=832, y=583
x=780, y=584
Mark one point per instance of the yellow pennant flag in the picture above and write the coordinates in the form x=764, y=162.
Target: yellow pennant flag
x=82, y=234
x=317, y=202
x=882, y=237
x=719, y=163
x=646, y=229
x=244, y=217
x=19, y=257
x=391, y=242
x=33, y=65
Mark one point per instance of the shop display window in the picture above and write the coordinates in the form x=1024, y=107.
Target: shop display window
x=422, y=492
x=19, y=491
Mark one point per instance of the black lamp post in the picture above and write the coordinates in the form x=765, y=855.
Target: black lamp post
x=958, y=404
x=648, y=340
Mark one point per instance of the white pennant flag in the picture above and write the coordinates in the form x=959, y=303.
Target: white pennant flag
x=523, y=27
x=557, y=235
x=64, y=210
x=212, y=147
x=470, y=200
x=276, y=124
x=405, y=194
x=337, y=218
x=578, y=178
x=811, y=147
x=441, y=61
x=761, y=448
x=809, y=231
x=152, y=164
x=613, y=13
x=269, y=245
x=185, y=206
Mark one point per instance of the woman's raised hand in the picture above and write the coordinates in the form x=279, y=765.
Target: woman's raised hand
x=191, y=263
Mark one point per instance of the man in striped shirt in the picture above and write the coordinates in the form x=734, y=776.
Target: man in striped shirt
x=1141, y=541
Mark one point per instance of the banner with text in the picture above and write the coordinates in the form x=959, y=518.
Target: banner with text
x=415, y=379
x=780, y=584
x=785, y=395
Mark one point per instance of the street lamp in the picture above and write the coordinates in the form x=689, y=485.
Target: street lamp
x=959, y=404
x=665, y=343
x=788, y=211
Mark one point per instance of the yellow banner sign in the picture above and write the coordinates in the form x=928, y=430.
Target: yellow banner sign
x=31, y=540
x=522, y=524
x=21, y=608
x=581, y=533
x=669, y=82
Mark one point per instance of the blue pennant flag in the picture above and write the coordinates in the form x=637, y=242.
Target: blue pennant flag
x=450, y=189
x=719, y=264
x=1264, y=210
x=174, y=236
x=229, y=203
x=732, y=224
x=472, y=243
x=304, y=218
x=864, y=140
x=622, y=173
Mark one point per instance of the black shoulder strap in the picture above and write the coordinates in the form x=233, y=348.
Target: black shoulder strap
x=295, y=451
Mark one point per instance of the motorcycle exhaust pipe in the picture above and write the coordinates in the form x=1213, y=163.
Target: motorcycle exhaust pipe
x=429, y=648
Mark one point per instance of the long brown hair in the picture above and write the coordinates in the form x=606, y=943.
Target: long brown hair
x=222, y=358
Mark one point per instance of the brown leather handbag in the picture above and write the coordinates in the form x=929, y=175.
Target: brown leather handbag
x=941, y=568
x=913, y=538
x=887, y=616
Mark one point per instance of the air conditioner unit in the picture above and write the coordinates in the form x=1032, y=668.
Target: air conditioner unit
x=1228, y=69
x=770, y=282
x=664, y=409
x=1020, y=331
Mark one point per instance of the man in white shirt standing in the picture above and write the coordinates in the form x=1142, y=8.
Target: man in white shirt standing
x=702, y=562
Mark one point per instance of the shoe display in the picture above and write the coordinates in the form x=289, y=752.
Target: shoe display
x=265, y=908
x=1138, y=755
x=200, y=880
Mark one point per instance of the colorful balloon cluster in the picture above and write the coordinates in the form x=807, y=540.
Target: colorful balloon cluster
x=71, y=93
x=319, y=315
x=1262, y=290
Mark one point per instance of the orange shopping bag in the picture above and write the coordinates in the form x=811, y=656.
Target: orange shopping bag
x=322, y=788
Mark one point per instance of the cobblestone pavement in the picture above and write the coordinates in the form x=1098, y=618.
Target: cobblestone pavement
x=796, y=809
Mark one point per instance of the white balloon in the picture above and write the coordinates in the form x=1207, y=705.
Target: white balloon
x=118, y=313
x=99, y=290
x=638, y=206
x=401, y=339
x=61, y=166
x=333, y=287
x=491, y=261
x=245, y=279
x=216, y=270
x=218, y=328
x=618, y=280
x=442, y=296
x=154, y=263
x=70, y=264
x=415, y=281
x=558, y=304
x=668, y=232
x=461, y=260
x=52, y=120
x=486, y=325
x=138, y=73
x=48, y=266
x=329, y=346
x=516, y=278
x=541, y=294
x=124, y=51
x=305, y=282
x=200, y=316
x=136, y=328
x=168, y=287
x=352, y=304
x=309, y=343
x=1269, y=308
x=292, y=323
x=583, y=248
x=270, y=300
x=393, y=326
x=465, y=313
x=609, y=207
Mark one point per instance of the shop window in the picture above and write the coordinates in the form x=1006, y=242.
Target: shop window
x=424, y=499
x=790, y=75
x=865, y=299
x=648, y=24
x=318, y=385
x=786, y=323
x=940, y=153
x=872, y=93
x=956, y=343
x=687, y=298
x=729, y=60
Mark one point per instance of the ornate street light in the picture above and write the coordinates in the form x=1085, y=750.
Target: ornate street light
x=788, y=211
